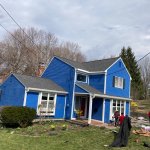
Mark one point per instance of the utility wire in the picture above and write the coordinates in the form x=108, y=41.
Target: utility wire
x=21, y=28
x=125, y=68
x=16, y=40
x=143, y=57
x=37, y=46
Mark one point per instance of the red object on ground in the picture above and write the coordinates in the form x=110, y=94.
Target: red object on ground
x=121, y=118
x=149, y=114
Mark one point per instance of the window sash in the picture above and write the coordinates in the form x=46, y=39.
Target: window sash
x=48, y=104
x=81, y=78
x=119, y=82
x=118, y=105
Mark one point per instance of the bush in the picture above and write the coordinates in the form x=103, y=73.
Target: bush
x=13, y=116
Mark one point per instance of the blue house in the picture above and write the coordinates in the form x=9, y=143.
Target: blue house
x=22, y=90
x=96, y=88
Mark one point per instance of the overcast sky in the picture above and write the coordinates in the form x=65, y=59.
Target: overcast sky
x=100, y=27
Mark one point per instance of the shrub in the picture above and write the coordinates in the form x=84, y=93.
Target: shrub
x=12, y=116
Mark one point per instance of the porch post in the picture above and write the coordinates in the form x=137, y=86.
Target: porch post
x=90, y=109
x=25, y=96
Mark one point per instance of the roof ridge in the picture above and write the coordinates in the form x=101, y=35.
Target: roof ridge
x=33, y=76
x=102, y=59
x=67, y=59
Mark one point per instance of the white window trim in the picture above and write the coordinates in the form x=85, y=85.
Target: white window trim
x=83, y=75
x=118, y=84
x=121, y=101
x=39, y=102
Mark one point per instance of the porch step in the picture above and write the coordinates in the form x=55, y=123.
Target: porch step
x=82, y=123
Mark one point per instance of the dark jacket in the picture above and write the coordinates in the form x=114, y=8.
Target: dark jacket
x=123, y=134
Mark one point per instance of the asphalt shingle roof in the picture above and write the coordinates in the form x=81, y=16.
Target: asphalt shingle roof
x=92, y=66
x=39, y=83
x=88, y=88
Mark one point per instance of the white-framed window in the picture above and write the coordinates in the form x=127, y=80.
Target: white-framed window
x=81, y=78
x=118, y=82
x=47, y=104
x=118, y=105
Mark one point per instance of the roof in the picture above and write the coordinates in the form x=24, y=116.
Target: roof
x=97, y=93
x=91, y=66
x=88, y=88
x=39, y=83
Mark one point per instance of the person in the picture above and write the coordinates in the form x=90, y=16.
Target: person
x=121, y=139
x=112, y=120
x=149, y=116
x=121, y=118
x=116, y=116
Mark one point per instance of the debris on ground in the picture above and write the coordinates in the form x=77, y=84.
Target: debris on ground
x=139, y=121
x=142, y=132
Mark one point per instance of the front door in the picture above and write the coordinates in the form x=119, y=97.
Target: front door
x=81, y=105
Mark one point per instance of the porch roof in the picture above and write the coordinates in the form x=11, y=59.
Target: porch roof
x=97, y=93
x=88, y=88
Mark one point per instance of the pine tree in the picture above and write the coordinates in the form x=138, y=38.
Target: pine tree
x=123, y=55
x=129, y=59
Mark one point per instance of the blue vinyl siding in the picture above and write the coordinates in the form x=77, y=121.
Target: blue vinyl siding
x=79, y=90
x=63, y=75
x=107, y=111
x=97, y=81
x=12, y=92
x=97, y=109
x=127, y=108
x=32, y=100
x=60, y=106
x=118, y=69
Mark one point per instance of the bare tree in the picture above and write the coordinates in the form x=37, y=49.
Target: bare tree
x=145, y=72
x=22, y=51
x=70, y=51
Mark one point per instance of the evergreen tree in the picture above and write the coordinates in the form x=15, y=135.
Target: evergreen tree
x=136, y=83
x=123, y=55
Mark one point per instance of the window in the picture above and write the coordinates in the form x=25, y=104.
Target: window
x=81, y=78
x=117, y=105
x=118, y=82
x=47, y=104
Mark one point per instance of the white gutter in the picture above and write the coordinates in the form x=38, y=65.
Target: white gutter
x=90, y=72
x=45, y=90
x=111, y=97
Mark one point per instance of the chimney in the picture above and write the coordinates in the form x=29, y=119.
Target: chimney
x=41, y=69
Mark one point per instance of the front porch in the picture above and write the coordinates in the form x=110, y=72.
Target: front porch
x=94, y=105
x=88, y=108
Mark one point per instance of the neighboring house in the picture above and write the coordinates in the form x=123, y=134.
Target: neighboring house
x=96, y=88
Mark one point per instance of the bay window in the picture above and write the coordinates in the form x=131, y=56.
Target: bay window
x=47, y=105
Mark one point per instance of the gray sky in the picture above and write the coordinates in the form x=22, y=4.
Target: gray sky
x=100, y=27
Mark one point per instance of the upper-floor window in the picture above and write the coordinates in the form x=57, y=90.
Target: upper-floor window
x=81, y=78
x=118, y=82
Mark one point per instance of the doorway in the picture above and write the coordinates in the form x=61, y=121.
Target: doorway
x=81, y=105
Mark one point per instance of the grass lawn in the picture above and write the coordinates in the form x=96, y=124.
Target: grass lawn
x=39, y=137
x=142, y=110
